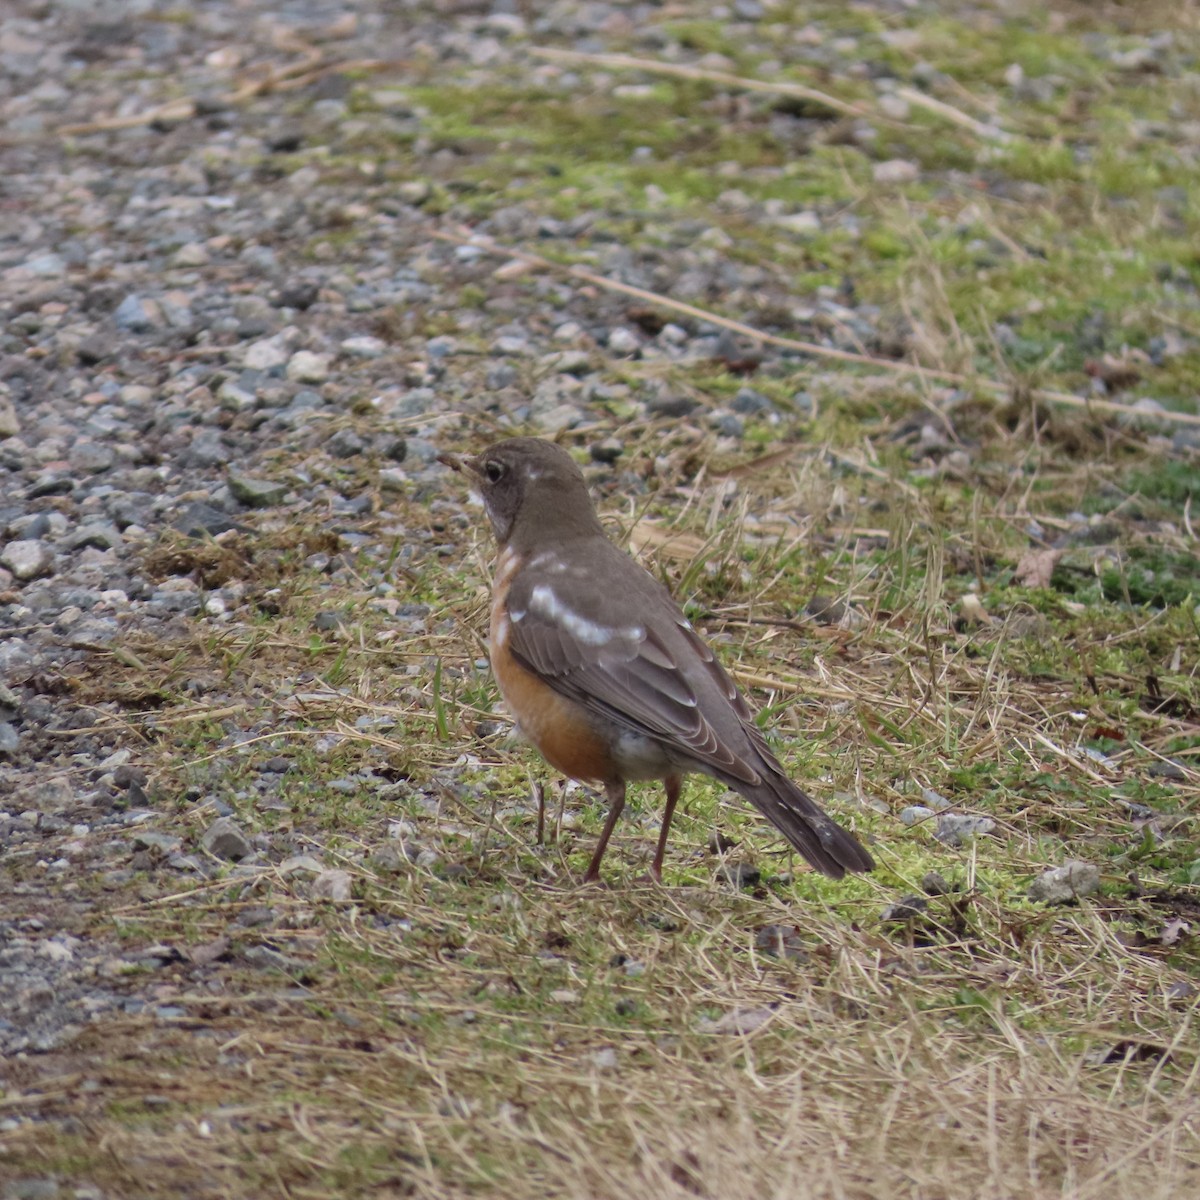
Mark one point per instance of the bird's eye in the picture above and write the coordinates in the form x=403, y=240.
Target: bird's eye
x=493, y=471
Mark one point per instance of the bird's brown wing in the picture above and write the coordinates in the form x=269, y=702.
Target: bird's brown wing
x=632, y=657
x=628, y=654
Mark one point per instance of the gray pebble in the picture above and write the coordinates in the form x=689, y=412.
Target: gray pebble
x=1061, y=885
x=624, y=342
x=739, y=875
x=9, y=738
x=207, y=449
x=501, y=376
x=670, y=404
x=365, y=347
x=225, y=840
x=727, y=424
x=150, y=839
x=32, y=1189
x=198, y=519
x=306, y=367
x=906, y=909
x=134, y=315
x=751, y=403
x=27, y=558
x=956, y=828
x=606, y=451
x=268, y=353
x=234, y=396
x=255, y=493
x=10, y=423
x=345, y=444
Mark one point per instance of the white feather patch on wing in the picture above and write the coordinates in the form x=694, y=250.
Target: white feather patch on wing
x=545, y=603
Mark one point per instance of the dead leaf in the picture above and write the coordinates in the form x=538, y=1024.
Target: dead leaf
x=209, y=952
x=665, y=543
x=971, y=609
x=742, y=1020
x=1130, y=1050
x=1173, y=930
x=1117, y=372
x=1036, y=567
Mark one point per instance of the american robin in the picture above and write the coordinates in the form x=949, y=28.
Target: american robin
x=604, y=673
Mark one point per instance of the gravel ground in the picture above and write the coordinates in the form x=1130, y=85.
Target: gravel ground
x=182, y=308
x=201, y=318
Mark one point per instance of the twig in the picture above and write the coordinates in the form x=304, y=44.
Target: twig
x=1048, y=396
x=277, y=79
x=628, y=62
x=955, y=116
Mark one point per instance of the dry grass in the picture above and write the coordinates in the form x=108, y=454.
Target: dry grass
x=469, y=1022
x=474, y=1024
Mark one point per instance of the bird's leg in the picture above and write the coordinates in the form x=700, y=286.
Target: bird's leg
x=672, y=785
x=616, y=801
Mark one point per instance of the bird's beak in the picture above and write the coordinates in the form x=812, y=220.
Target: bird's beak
x=461, y=463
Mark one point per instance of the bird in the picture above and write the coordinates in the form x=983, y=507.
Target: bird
x=604, y=673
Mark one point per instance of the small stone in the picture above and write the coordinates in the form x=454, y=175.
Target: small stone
x=46, y=266
x=298, y=293
x=234, y=395
x=10, y=424
x=956, y=828
x=345, y=444
x=782, y=941
x=255, y=493
x=501, y=376
x=135, y=315
x=150, y=839
x=908, y=908
x=556, y=419
x=1061, y=885
x=606, y=451
x=191, y=254
x=332, y=885
x=199, y=519
x=933, y=884
x=739, y=875
x=727, y=424
x=895, y=170
x=894, y=107
x=27, y=558
x=301, y=863
x=365, y=347
x=9, y=738
x=914, y=814
x=1168, y=768
x=306, y=367
x=750, y=403
x=32, y=1189
x=624, y=342
x=267, y=354
x=670, y=404
x=799, y=223
x=415, y=192
x=825, y=610
x=92, y=457
x=604, y=1059
x=225, y=840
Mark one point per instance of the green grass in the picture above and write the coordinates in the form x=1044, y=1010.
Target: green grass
x=471, y=1022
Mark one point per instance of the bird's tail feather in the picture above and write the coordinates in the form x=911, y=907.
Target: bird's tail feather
x=829, y=847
